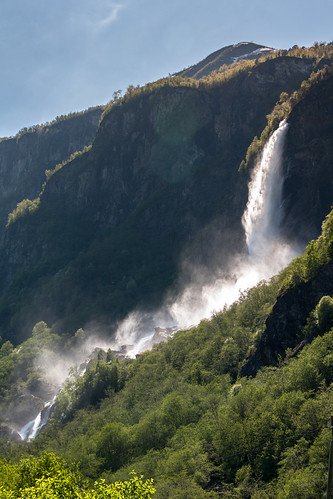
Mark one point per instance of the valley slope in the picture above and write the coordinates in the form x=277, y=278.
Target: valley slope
x=237, y=406
x=160, y=182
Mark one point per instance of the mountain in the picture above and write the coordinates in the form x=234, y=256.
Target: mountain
x=226, y=56
x=158, y=201
x=161, y=179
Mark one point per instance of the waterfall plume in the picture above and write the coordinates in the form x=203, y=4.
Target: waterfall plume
x=263, y=213
x=267, y=254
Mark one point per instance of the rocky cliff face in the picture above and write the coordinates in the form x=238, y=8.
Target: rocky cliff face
x=161, y=177
x=288, y=317
x=24, y=158
x=166, y=143
x=308, y=163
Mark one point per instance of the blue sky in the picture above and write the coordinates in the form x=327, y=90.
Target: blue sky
x=68, y=55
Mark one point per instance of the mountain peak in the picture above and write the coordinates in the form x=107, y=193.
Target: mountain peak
x=226, y=55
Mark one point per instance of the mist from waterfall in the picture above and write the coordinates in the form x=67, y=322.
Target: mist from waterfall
x=267, y=254
x=263, y=214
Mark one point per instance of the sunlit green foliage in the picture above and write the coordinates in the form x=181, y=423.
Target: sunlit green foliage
x=50, y=477
x=281, y=111
x=23, y=208
x=317, y=51
x=324, y=312
x=100, y=380
x=317, y=253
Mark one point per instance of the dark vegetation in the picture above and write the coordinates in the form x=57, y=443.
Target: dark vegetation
x=110, y=227
x=183, y=413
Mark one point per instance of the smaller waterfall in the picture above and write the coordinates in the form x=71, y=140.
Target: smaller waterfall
x=32, y=428
x=262, y=217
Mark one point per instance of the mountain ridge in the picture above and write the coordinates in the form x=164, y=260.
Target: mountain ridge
x=148, y=173
x=225, y=56
x=221, y=408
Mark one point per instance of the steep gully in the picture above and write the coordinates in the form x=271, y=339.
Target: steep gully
x=267, y=254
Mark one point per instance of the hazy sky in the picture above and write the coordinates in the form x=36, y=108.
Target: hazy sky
x=67, y=55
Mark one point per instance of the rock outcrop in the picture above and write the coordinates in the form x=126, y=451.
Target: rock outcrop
x=288, y=317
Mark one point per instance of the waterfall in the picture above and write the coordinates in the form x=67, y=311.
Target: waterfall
x=32, y=428
x=262, y=217
x=267, y=253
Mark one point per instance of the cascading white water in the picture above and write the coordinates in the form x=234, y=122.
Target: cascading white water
x=267, y=252
x=262, y=217
x=83, y=358
x=32, y=428
x=267, y=255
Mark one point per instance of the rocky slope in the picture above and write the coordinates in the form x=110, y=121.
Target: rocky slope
x=24, y=158
x=225, y=56
x=161, y=178
x=287, y=319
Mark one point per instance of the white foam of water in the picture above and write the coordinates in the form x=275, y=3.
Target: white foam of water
x=31, y=429
x=267, y=252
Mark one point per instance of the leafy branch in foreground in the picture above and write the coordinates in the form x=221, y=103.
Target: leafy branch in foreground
x=50, y=477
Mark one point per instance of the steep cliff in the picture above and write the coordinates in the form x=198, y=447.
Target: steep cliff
x=287, y=319
x=161, y=178
x=308, y=163
x=24, y=158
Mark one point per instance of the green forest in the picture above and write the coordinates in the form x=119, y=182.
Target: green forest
x=182, y=414
x=106, y=235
